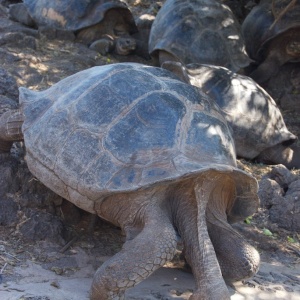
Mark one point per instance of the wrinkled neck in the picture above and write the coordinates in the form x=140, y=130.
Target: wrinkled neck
x=10, y=129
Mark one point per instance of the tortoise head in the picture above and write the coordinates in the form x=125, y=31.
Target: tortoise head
x=125, y=45
x=293, y=46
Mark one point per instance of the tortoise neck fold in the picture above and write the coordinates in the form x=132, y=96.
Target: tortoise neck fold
x=10, y=129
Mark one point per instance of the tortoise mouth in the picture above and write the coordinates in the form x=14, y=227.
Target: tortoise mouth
x=293, y=49
x=125, y=45
x=287, y=42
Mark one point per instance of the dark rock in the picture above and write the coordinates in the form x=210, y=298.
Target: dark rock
x=8, y=86
x=294, y=189
x=285, y=214
x=19, y=13
x=18, y=39
x=42, y=226
x=52, y=33
x=269, y=192
x=282, y=176
x=8, y=211
x=9, y=2
x=71, y=214
x=279, y=192
x=6, y=104
x=9, y=181
x=8, y=58
x=35, y=194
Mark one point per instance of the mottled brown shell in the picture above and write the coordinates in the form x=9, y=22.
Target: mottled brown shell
x=268, y=21
x=199, y=31
x=74, y=15
x=123, y=127
x=253, y=115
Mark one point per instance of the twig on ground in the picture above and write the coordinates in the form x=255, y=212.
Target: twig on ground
x=69, y=244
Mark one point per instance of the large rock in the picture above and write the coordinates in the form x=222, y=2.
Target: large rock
x=279, y=192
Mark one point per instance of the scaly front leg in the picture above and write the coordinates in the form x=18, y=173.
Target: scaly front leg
x=152, y=243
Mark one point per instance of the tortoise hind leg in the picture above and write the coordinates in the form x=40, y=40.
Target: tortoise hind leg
x=238, y=259
x=192, y=198
x=10, y=129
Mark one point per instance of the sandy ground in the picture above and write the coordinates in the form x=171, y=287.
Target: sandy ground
x=36, y=283
x=42, y=271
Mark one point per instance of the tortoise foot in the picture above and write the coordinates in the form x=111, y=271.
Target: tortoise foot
x=125, y=45
x=237, y=258
x=10, y=129
x=209, y=295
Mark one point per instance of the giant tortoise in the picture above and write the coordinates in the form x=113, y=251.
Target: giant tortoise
x=259, y=130
x=150, y=154
x=104, y=25
x=272, y=36
x=198, y=31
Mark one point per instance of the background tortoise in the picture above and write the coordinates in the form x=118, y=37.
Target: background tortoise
x=104, y=25
x=272, y=36
x=258, y=127
x=150, y=154
x=198, y=31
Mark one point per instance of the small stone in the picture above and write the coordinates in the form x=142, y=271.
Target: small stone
x=58, y=271
x=55, y=284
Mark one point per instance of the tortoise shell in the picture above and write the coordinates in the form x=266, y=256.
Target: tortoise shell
x=256, y=121
x=74, y=15
x=269, y=21
x=199, y=31
x=123, y=127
